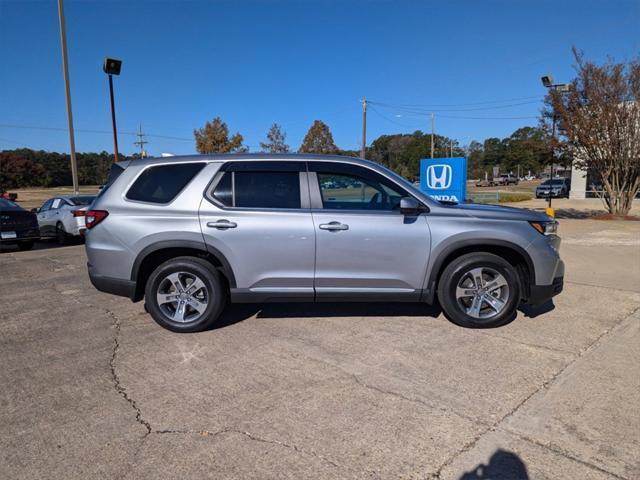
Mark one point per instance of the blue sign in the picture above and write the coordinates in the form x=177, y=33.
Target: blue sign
x=444, y=178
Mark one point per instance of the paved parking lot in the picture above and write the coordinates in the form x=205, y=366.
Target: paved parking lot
x=92, y=388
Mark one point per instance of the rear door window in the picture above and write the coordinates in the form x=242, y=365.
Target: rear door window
x=260, y=185
x=162, y=183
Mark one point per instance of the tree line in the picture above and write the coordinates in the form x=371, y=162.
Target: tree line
x=527, y=147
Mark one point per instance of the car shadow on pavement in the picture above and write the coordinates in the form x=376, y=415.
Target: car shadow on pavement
x=43, y=245
x=235, y=313
x=533, y=312
x=503, y=465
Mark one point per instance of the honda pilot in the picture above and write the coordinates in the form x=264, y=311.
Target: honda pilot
x=189, y=234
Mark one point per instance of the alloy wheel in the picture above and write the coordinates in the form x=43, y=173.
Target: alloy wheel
x=482, y=293
x=182, y=296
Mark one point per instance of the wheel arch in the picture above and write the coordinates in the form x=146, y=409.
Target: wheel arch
x=514, y=254
x=155, y=254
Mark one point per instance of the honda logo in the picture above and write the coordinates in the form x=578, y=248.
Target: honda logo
x=439, y=177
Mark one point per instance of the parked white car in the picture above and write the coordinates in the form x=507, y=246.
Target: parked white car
x=63, y=217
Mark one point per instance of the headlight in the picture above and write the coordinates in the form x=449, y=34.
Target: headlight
x=546, y=228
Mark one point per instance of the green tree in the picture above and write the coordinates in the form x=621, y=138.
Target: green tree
x=318, y=139
x=214, y=138
x=275, y=140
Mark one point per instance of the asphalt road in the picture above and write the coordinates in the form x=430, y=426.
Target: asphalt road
x=92, y=388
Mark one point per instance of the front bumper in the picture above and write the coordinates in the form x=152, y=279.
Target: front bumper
x=115, y=286
x=540, y=294
x=547, y=193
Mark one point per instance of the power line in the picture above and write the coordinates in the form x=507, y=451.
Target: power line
x=423, y=110
x=84, y=130
x=390, y=119
x=429, y=105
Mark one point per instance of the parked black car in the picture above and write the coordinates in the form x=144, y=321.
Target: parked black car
x=17, y=226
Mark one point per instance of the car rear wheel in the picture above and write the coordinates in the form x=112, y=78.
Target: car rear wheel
x=61, y=234
x=479, y=290
x=185, y=294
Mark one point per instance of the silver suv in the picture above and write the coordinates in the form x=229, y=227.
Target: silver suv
x=189, y=234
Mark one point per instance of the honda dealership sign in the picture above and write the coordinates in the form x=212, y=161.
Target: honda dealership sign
x=444, y=178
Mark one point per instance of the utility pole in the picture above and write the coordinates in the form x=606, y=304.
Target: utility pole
x=363, y=148
x=433, y=125
x=65, y=72
x=141, y=141
x=451, y=148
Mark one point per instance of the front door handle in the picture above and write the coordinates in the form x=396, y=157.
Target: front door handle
x=333, y=226
x=222, y=224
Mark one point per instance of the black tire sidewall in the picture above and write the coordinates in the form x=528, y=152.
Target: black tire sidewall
x=207, y=273
x=61, y=234
x=449, y=281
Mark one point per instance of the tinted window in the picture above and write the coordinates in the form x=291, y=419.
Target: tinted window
x=267, y=189
x=352, y=192
x=161, y=184
x=223, y=192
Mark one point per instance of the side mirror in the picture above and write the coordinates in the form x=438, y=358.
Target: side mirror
x=409, y=206
x=35, y=210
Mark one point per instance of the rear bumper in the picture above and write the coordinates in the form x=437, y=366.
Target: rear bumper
x=540, y=294
x=115, y=286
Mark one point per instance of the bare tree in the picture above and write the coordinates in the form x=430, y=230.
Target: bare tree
x=599, y=121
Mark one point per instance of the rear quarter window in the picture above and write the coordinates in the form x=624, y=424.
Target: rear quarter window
x=162, y=183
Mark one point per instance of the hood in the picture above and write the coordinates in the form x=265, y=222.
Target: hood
x=496, y=212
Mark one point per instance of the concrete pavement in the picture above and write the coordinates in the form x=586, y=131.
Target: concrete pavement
x=92, y=388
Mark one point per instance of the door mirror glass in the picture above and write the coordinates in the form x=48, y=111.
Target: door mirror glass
x=35, y=210
x=409, y=206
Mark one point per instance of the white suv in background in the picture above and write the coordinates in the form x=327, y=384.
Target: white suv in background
x=63, y=217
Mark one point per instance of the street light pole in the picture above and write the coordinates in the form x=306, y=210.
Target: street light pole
x=65, y=72
x=112, y=67
x=547, y=81
x=113, y=119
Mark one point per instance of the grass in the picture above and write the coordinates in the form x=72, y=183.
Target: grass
x=504, y=198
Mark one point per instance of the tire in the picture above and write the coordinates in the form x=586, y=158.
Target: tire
x=200, y=308
x=61, y=234
x=458, y=305
x=24, y=246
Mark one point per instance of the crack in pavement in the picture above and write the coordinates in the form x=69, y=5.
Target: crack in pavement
x=114, y=374
x=150, y=430
x=545, y=385
x=563, y=453
x=251, y=436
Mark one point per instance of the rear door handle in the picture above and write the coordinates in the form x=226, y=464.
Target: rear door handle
x=222, y=224
x=333, y=226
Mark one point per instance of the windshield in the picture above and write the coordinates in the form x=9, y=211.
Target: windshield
x=401, y=180
x=553, y=182
x=84, y=200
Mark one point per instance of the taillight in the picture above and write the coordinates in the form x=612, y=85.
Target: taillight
x=78, y=213
x=94, y=217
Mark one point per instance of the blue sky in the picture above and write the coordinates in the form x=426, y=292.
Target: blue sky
x=255, y=63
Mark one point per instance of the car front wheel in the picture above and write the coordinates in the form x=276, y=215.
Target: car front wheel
x=185, y=294
x=479, y=290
